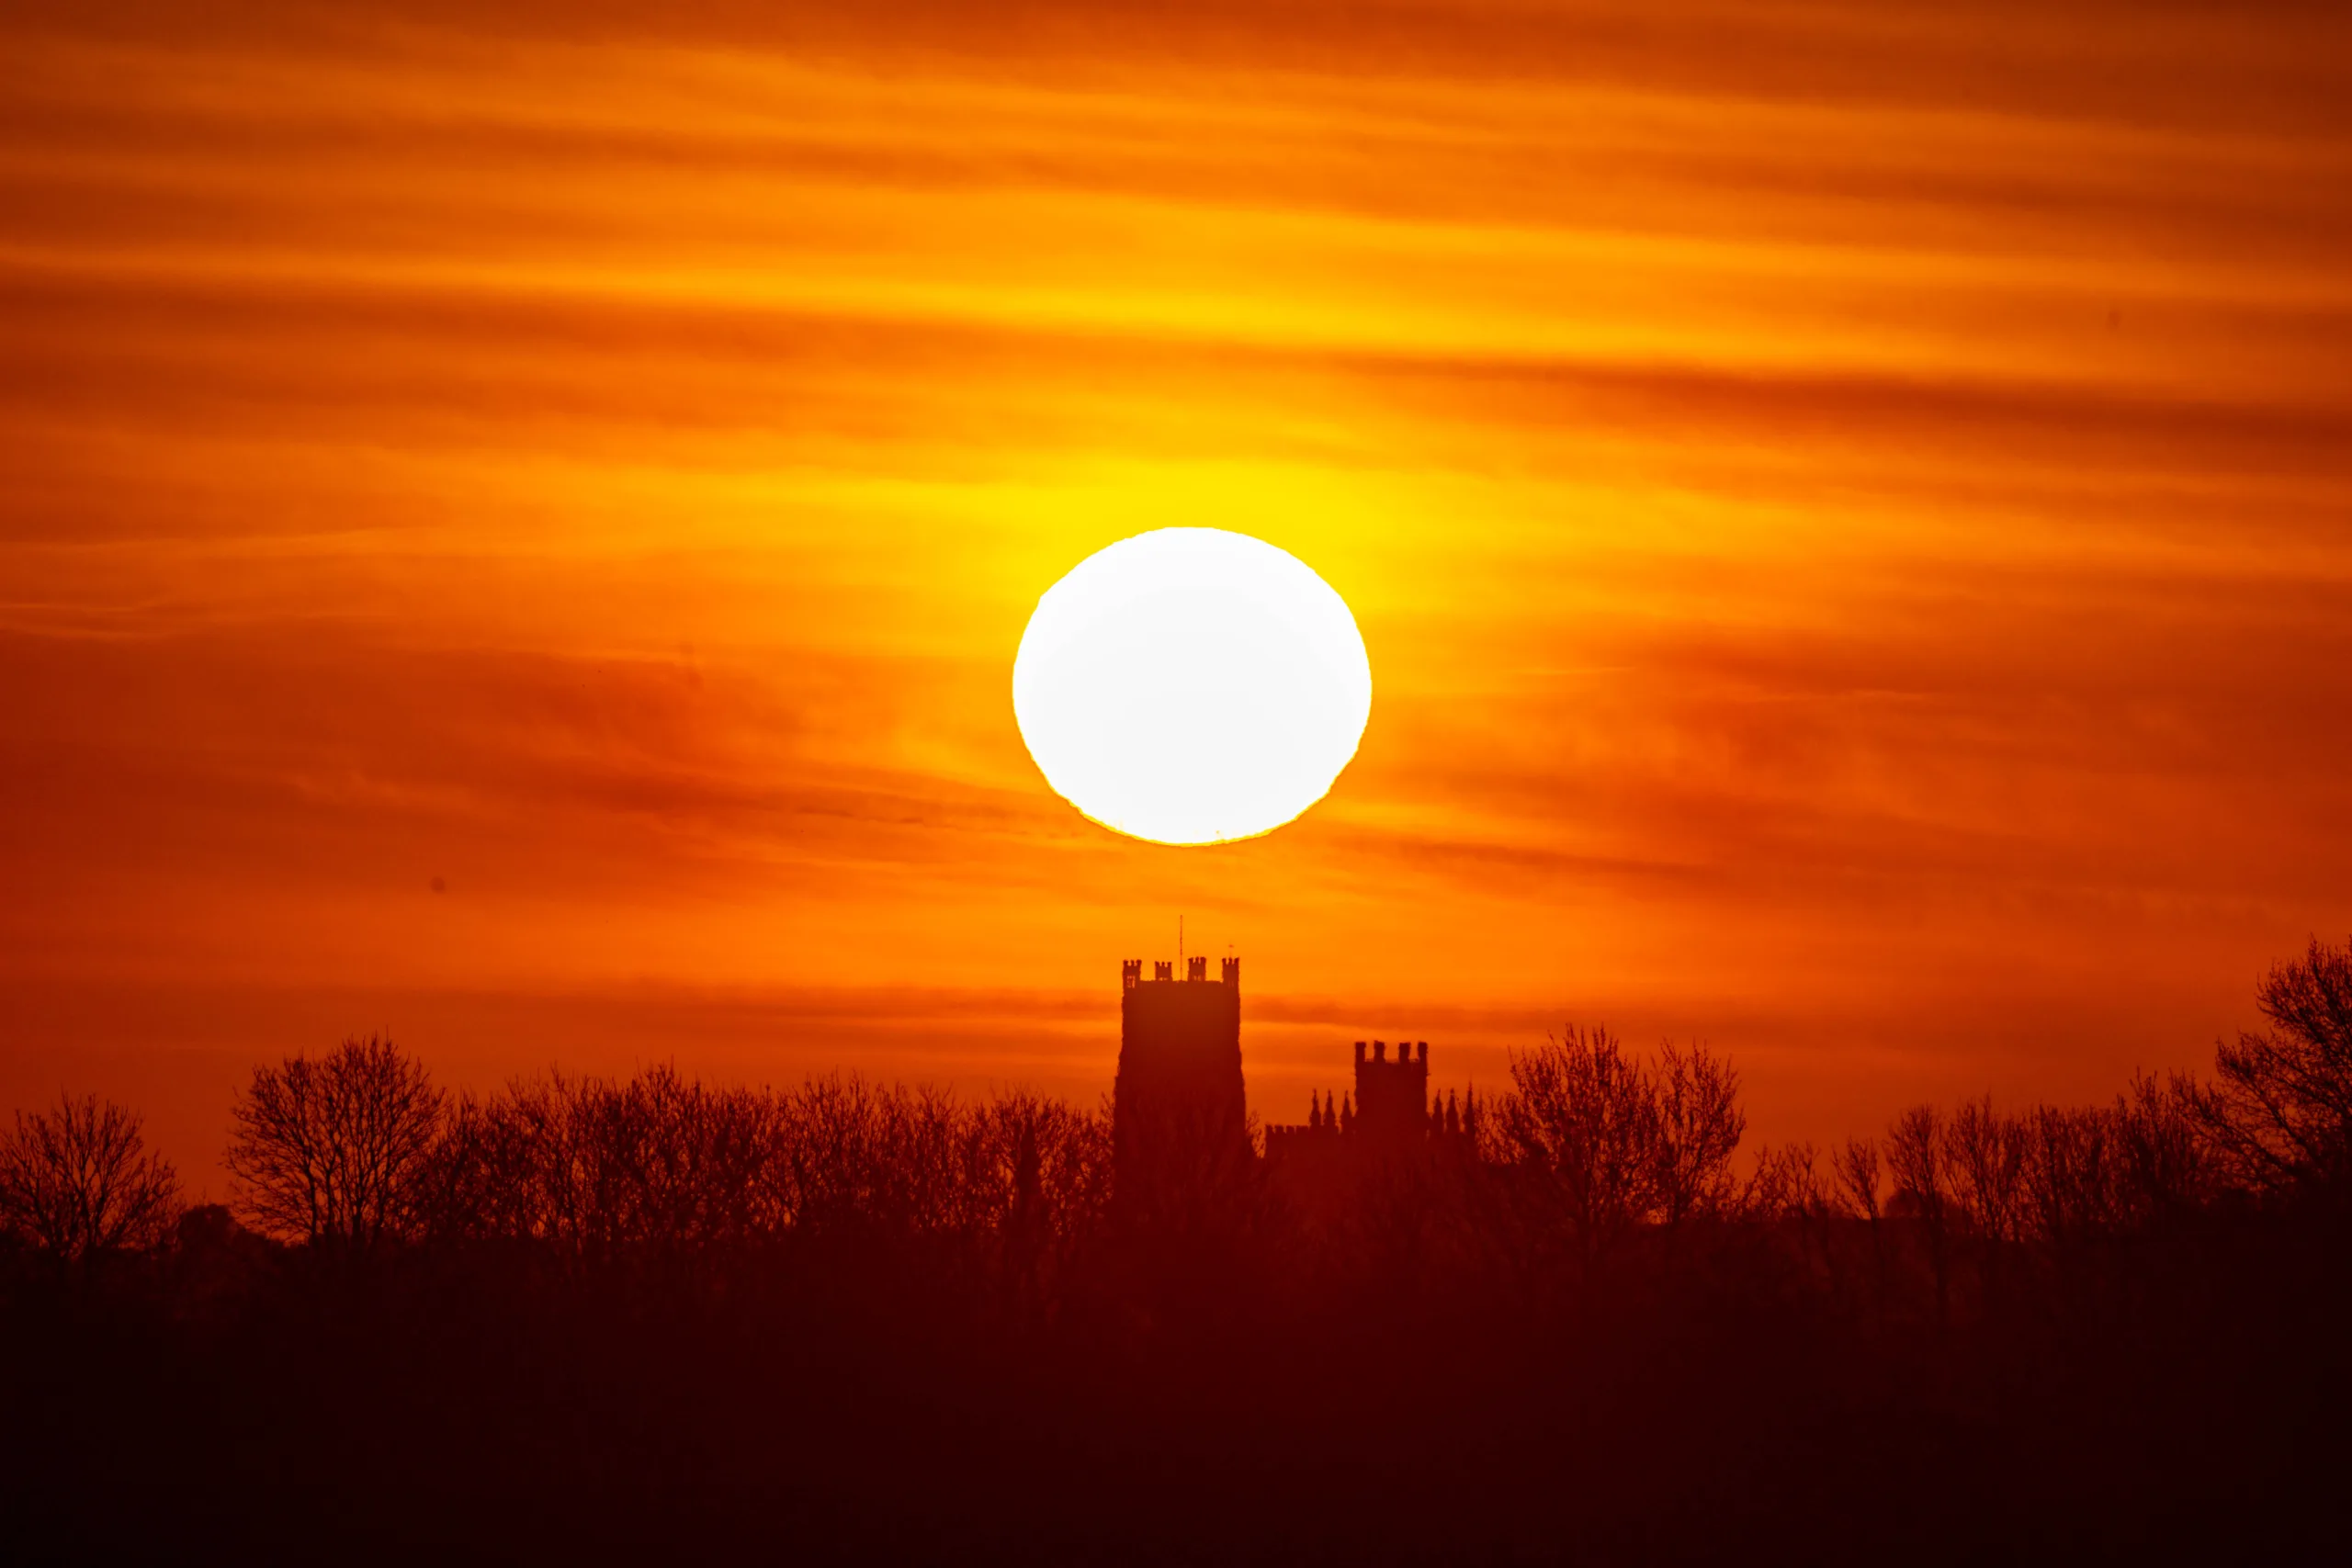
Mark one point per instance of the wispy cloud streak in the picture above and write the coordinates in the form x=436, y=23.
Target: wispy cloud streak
x=1850, y=508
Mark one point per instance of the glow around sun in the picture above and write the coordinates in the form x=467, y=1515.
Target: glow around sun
x=1192, y=685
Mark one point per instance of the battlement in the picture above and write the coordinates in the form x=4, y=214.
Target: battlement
x=1196, y=969
x=1392, y=1097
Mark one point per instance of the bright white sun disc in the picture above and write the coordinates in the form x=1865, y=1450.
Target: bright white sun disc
x=1191, y=685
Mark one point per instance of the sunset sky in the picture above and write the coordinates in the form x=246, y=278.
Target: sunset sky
x=517, y=520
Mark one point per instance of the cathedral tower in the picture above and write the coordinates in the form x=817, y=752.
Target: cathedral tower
x=1180, y=1132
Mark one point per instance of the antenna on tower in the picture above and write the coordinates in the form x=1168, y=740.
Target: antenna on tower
x=1180, y=942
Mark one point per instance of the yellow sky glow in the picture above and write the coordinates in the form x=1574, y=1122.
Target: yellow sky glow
x=1852, y=516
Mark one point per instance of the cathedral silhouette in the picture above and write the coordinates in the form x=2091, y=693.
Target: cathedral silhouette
x=1180, y=1119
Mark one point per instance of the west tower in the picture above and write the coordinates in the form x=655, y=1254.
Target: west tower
x=1179, y=1127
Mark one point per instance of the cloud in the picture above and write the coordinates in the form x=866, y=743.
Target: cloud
x=1846, y=506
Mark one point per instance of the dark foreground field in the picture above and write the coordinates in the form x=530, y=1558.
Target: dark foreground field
x=835, y=1401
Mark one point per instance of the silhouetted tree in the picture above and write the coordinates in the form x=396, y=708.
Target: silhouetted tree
x=596, y=1168
x=683, y=1160
x=79, y=1180
x=1599, y=1143
x=1787, y=1183
x=1858, y=1176
x=1788, y=1187
x=336, y=1149
x=1048, y=1167
x=2281, y=1105
x=1984, y=1157
x=1915, y=1152
x=1579, y=1130
x=2169, y=1157
x=2070, y=1171
x=560, y=1172
x=859, y=1156
x=1858, y=1171
x=1699, y=1125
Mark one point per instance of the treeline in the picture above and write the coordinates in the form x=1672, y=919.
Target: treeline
x=850, y=1307
x=357, y=1149
x=1591, y=1147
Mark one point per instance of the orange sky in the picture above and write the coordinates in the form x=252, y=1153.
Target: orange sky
x=1851, y=512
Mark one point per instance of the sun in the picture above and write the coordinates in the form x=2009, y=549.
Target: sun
x=1192, y=685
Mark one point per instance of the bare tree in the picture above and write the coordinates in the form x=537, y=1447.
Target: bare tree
x=1984, y=1159
x=2281, y=1101
x=1600, y=1142
x=1582, y=1130
x=1790, y=1189
x=2169, y=1154
x=1048, y=1171
x=555, y=1139
x=1915, y=1157
x=834, y=1174
x=1857, y=1167
x=336, y=1149
x=1786, y=1183
x=80, y=1179
x=478, y=1180
x=1700, y=1126
x=2070, y=1175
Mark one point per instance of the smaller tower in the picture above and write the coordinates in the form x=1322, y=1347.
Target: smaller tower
x=1392, y=1097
